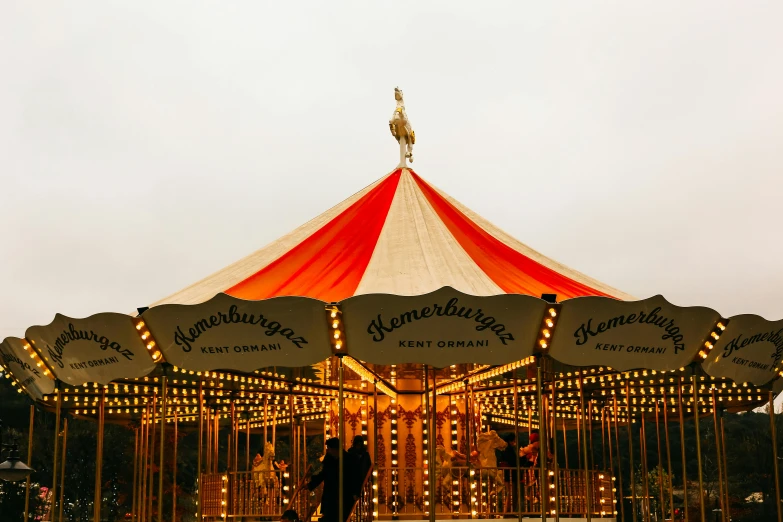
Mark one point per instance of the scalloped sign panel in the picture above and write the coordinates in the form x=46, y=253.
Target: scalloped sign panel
x=233, y=334
x=652, y=334
x=442, y=328
x=99, y=348
x=24, y=369
x=749, y=350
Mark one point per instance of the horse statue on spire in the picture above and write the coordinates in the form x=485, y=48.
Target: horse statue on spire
x=402, y=131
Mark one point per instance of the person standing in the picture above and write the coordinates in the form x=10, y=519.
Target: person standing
x=362, y=456
x=330, y=476
x=507, y=459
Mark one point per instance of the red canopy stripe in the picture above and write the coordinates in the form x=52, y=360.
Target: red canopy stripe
x=330, y=263
x=510, y=270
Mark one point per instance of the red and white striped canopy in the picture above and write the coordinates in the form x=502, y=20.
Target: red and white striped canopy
x=400, y=236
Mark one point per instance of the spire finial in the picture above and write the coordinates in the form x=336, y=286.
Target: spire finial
x=402, y=131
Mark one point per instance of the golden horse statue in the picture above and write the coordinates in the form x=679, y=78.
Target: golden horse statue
x=401, y=129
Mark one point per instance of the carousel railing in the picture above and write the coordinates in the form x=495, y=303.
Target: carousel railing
x=459, y=492
x=363, y=509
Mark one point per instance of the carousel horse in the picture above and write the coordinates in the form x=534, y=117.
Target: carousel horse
x=264, y=475
x=487, y=443
x=443, y=462
x=401, y=129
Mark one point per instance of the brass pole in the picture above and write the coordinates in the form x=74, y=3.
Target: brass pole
x=266, y=420
x=670, y=485
x=565, y=443
x=695, y=392
x=274, y=427
x=141, y=498
x=645, y=475
x=174, y=470
x=294, y=455
x=375, y=439
x=430, y=454
x=247, y=443
x=135, y=473
x=30, y=460
x=208, y=448
x=518, y=492
x=58, y=398
x=433, y=420
x=99, y=460
x=161, y=466
x=619, y=457
x=630, y=450
x=555, y=467
x=718, y=455
x=611, y=457
x=725, y=466
x=603, y=436
x=774, y=432
x=200, y=461
x=468, y=429
x=661, y=490
x=62, y=466
x=340, y=431
x=150, y=475
x=583, y=427
x=543, y=433
x=681, y=410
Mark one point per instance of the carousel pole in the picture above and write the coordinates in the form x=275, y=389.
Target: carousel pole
x=565, y=442
x=430, y=453
x=660, y=461
x=340, y=430
x=518, y=492
x=555, y=467
x=585, y=462
x=774, y=434
x=294, y=454
x=99, y=459
x=163, y=413
x=611, y=459
x=433, y=439
x=543, y=434
x=375, y=439
x=725, y=467
x=247, y=443
x=58, y=398
x=603, y=437
x=682, y=449
x=140, y=500
x=266, y=420
x=200, y=457
x=135, y=473
x=645, y=474
x=630, y=449
x=670, y=484
x=62, y=466
x=467, y=445
x=151, y=461
x=29, y=459
x=695, y=392
x=619, y=457
x=718, y=456
x=174, y=471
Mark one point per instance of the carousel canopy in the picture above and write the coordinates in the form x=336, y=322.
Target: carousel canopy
x=398, y=273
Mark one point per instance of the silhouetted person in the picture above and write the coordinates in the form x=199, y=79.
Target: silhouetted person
x=330, y=476
x=362, y=456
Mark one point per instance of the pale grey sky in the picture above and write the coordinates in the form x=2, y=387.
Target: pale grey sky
x=144, y=145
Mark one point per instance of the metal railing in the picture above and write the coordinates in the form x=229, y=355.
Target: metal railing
x=459, y=492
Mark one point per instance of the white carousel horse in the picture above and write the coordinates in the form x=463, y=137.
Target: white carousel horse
x=443, y=461
x=401, y=129
x=264, y=475
x=487, y=443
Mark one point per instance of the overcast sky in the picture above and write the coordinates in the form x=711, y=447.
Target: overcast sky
x=144, y=145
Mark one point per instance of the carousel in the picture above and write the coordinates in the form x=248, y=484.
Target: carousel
x=486, y=380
